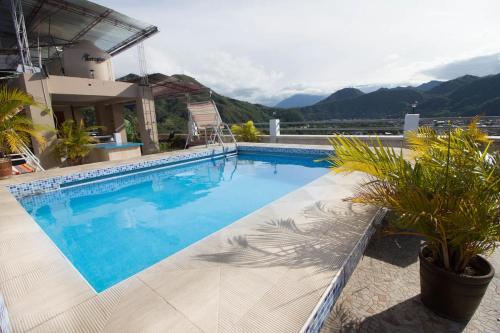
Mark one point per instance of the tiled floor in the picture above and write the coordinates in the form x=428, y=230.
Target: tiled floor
x=263, y=273
x=383, y=295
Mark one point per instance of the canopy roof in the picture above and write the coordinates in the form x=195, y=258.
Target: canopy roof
x=54, y=24
x=164, y=85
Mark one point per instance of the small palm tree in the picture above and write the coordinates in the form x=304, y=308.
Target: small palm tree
x=74, y=141
x=447, y=191
x=16, y=130
x=246, y=132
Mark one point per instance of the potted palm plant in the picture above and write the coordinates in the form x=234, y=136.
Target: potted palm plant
x=16, y=130
x=74, y=141
x=446, y=189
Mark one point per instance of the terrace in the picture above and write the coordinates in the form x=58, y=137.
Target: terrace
x=243, y=237
x=279, y=269
x=260, y=273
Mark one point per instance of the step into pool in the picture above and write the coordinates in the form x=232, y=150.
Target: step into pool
x=113, y=228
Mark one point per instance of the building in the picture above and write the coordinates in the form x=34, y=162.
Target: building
x=61, y=53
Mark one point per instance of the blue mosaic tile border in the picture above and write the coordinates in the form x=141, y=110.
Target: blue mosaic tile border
x=87, y=189
x=55, y=183
x=289, y=150
x=325, y=306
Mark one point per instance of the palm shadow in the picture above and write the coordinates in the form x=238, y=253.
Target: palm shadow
x=409, y=316
x=398, y=250
x=322, y=240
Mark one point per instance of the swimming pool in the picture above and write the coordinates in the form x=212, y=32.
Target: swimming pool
x=113, y=228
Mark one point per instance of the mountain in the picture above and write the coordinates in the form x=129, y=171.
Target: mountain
x=383, y=103
x=448, y=87
x=428, y=85
x=464, y=96
x=342, y=94
x=468, y=96
x=299, y=100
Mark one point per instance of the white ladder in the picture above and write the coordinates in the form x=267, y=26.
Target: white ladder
x=30, y=158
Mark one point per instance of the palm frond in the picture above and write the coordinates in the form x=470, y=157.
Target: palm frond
x=449, y=191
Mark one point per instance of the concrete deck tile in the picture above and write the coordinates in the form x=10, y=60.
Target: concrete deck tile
x=39, y=295
x=140, y=309
x=127, y=307
x=14, y=223
x=282, y=308
x=194, y=292
x=242, y=288
x=88, y=316
x=25, y=252
x=24, y=247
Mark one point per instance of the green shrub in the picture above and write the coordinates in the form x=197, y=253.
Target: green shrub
x=246, y=132
x=447, y=191
x=74, y=141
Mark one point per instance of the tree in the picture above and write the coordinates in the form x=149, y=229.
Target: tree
x=74, y=141
x=16, y=130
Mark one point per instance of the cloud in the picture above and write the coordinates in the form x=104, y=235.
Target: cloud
x=237, y=76
x=480, y=66
x=260, y=50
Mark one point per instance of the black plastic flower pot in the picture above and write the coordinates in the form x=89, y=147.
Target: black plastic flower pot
x=450, y=295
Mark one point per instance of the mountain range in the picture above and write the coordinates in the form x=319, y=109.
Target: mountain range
x=464, y=96
x=299, y=100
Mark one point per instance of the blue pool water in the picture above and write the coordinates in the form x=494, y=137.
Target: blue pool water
x=114, y=228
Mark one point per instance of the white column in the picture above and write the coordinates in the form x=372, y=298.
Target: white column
x=146, y=116
x=411, y=122
x=274, y=129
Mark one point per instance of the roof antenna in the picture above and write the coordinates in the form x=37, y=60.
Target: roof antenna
x=143, y=65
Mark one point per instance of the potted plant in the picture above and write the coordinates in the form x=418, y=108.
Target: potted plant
x=74, y=141
x=16, y=130
x=447, y=190
x=246, y=132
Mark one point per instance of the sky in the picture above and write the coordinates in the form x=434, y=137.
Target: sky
x=264, y=51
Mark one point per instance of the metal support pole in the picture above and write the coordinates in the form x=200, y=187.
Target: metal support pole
x=16, y=10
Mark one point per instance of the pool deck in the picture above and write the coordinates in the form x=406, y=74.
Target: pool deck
x=264, y=273
x=383, y=294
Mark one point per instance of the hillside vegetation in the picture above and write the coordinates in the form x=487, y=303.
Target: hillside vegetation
x=464, y=96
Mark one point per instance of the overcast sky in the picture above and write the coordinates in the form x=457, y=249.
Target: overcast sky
x=262, y=51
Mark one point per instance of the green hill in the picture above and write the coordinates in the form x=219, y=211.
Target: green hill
x=383, y=103
x=342, y=94
x=299, y=100
x=464, y=96
x=171, y=110
x=447, y=87
x=428, y=85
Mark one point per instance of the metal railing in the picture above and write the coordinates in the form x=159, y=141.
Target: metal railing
x=490, y=124
x=30, y=158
